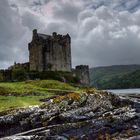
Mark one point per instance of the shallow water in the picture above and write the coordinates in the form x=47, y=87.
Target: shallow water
x=125, y=91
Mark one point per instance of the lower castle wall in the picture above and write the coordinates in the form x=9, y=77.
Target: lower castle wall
x=82, y=71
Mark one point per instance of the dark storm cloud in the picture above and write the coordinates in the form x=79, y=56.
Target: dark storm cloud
x=66, y=11
x=28, y=3
x=11, y=32
x=103, y=32
x=119, y=5
x=107, y=38
x=31, y=21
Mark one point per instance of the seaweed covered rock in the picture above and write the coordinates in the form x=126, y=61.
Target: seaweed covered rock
x=89, y=115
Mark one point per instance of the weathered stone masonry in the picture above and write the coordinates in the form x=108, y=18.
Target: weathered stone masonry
x=82, y=71
x=50, y=52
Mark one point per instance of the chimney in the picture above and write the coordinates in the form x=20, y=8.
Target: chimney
x=54, y=34
x=35, y=34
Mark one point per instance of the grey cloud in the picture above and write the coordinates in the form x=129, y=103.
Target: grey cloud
x=103, y=32
x=31, y=21
x=109, y=40
x=66, y=11
x=28, y=3
x=34, y=5
x=11, y=35
x=62, y=27
x=119, y=5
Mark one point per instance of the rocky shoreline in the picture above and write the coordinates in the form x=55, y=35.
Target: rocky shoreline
x=86, y=116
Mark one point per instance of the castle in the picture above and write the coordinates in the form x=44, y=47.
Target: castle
x=52, y=53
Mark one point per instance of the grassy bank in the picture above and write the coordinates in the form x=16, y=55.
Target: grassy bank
x=21, y=93
x=10, y=102
x=37, y=86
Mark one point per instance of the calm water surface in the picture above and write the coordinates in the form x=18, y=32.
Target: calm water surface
x=123, y=91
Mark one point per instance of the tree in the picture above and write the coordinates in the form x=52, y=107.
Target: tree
x=19, y=74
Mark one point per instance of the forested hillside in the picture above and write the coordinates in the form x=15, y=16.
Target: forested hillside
x=119, y=76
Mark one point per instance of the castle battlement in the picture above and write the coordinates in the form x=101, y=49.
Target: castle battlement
x=43, y=38
x=82, y=67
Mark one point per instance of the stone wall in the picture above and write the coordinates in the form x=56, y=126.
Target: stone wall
x=50, y=53
x=82, y=71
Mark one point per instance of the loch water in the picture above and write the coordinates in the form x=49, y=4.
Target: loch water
x=125, y=91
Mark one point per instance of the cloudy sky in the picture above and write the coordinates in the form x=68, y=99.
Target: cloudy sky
x=103, y=32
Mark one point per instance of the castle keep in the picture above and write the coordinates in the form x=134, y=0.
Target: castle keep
x=50, y=53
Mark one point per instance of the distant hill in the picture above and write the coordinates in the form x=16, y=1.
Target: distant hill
x=117, y=76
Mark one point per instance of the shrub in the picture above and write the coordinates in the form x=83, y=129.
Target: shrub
x=74, y=96
x=76, y=80
x=54, y=75
x=19, y=74
x=50, y=75
x=1, y=77
x=33, y=75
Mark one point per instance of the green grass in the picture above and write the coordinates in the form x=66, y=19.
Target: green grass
x=27, y=87
x=37, y=86
x=10, y=102
x=51, y=84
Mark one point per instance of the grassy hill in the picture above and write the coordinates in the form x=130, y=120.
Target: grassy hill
x=117, y=76
x=23, y=94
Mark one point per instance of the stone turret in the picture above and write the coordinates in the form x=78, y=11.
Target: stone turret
x=54, y=34
x=35, y=35
x=82, y=71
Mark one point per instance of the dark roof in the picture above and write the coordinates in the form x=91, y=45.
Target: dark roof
x=44, y=36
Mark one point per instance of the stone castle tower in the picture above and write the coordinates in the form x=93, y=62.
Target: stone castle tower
x=50, y=53
x=82, y=71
